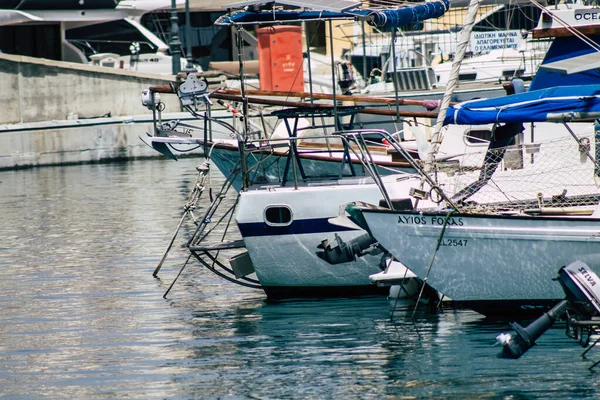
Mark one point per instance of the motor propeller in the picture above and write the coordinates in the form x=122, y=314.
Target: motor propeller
x=582, y=288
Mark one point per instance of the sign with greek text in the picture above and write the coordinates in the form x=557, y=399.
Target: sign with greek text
x=484, y=42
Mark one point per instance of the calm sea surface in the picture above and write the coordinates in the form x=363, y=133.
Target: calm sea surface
x=82, y=317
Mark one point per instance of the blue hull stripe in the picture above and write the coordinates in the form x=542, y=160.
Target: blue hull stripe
x=299, y=227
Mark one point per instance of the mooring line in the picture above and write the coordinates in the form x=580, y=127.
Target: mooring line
x=590, y=347
x=164, y=257
x=437, y=247
x=400, y=290
x=177, y=277
x=189, y=207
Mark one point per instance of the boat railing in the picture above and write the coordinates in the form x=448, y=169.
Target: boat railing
x=470, y=188
x=358, y=137
x=293, y=151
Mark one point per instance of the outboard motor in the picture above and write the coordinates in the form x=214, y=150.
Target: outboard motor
x=582, y=288
x=342, y=252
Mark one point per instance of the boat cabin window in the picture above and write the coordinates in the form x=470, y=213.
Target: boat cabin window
x=467, y=77
x=278, y=215
x=478, y=136
x=31, y=40
x=511, y=73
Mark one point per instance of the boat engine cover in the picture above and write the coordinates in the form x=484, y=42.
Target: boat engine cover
x=582, y=287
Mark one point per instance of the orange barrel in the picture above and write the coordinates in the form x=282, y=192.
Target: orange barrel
x=280, y=58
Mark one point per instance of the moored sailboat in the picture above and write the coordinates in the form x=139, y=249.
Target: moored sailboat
x=501, y=231
x=500, y=234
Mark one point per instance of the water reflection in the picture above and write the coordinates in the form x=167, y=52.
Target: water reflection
x=82, y=316
x=350, y=347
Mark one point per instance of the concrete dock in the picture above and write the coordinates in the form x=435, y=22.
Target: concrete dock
x=57, y=113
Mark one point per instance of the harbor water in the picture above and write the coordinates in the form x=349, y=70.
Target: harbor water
x=82, y=316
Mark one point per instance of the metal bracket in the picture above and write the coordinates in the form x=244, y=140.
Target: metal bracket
x=193, y=90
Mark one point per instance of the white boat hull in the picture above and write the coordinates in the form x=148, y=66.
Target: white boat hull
x=285, y=257
x=488, y=259
x=287, y=265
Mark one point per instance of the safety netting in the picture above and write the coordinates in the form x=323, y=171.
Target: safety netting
x=554, y=175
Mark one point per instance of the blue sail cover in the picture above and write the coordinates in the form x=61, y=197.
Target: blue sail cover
x=386, y=20
x=563, y=103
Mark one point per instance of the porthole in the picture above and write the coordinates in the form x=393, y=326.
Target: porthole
x=278, y=215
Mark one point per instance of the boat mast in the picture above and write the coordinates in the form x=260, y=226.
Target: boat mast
x=395, y=74
x=333, y=80
x=242, y=139
x=310, y=88
x=174, y=43
x=364, y=49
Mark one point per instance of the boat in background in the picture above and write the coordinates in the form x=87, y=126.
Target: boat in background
x=124, y=44
x=499, y=50
x=106, y=33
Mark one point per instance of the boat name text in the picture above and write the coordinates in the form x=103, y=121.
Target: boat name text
x=587, y=276
x=432, y=220
x=586, y=15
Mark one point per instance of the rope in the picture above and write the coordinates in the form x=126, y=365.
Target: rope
x=465, y=33
x=177, y=277
x=400, y=290
x=189, y=207
x=437, y=247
